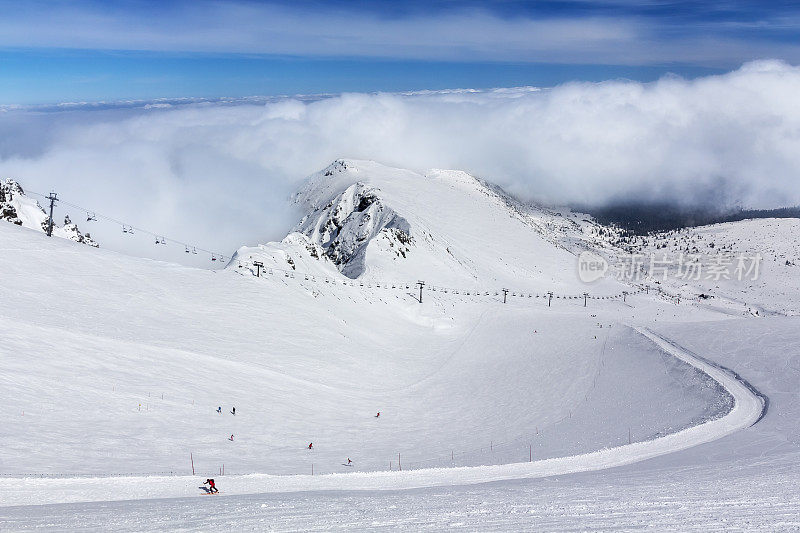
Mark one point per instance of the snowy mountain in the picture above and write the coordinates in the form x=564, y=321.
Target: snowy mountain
x=376, y=223
x=19, y=209
x=114, y=369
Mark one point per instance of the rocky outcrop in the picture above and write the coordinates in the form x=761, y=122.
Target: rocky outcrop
x=16, y=207
x=346, y=224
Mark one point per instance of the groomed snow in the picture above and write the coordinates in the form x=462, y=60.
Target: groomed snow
x=113, y=368
x=747, y=409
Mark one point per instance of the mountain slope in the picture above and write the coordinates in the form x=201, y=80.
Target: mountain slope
x=89, y=349
x=377, y=223
x=767, y=284
x=19, y=209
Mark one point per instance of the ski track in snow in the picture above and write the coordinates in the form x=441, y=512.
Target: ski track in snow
x=748, y=408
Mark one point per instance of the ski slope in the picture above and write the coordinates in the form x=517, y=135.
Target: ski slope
x=114, y=367
x=747, y=408
x=745, y=481
x=301, y=363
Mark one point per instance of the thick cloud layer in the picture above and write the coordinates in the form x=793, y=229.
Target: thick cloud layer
x=219, y=174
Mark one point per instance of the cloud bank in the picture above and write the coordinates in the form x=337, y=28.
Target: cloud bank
x=220, y=174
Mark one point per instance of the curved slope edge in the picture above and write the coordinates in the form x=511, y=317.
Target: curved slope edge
x=748, y=409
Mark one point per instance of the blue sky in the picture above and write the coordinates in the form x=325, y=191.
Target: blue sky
x=54, y=51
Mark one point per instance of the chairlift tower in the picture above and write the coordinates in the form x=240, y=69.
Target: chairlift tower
x=53, y=197
x=259, y=265
x=421, y=284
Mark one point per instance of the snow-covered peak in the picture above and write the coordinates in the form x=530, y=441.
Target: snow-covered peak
x=18, y=208
x=445, y=226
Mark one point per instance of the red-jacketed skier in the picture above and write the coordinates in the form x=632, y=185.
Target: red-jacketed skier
x=212, y=488
x=310, y=445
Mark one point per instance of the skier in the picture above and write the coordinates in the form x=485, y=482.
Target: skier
x=233, y=411
x=212, y=488
x=310, y=445
x=231, y=439
x=349, y=461
x=219, y=409
x=378, y=415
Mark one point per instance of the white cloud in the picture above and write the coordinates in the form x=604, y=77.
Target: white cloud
x=219, y=174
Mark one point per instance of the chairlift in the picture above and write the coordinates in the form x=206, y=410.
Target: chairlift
x=194, y=250
x=90, y=217
x=213, y=257
x=187, y=250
